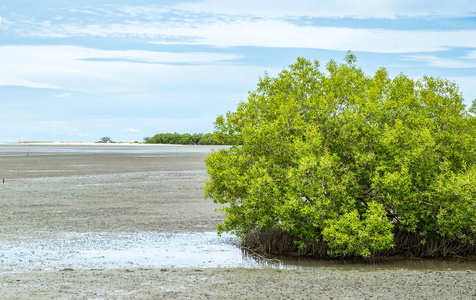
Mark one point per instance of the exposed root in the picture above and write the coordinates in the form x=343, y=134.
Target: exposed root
x=255, y=254
x=276, y=241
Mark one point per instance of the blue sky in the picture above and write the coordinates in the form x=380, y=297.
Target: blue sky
x=81, y=70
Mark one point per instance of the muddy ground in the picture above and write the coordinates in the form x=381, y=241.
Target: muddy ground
x=51, y=192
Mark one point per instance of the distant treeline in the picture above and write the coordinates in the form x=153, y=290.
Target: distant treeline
x=183, y=139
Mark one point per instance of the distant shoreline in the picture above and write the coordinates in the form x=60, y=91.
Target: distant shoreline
x=90, y=144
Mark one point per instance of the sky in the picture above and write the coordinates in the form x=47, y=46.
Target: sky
x=83, y=70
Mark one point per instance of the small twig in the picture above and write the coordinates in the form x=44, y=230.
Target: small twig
x=254, y=253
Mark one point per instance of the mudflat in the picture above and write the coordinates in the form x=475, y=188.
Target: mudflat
x=51, y=189
x=86, y=222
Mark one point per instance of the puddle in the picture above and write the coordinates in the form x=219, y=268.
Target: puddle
x=120, y=250
x=181, y=250
x=385, y=263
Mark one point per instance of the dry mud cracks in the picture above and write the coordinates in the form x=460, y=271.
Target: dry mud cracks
x=61, y=203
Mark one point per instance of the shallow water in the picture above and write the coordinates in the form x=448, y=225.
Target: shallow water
x=122, y=250
x=390, y=263
x=179, y=250
x=32, y=149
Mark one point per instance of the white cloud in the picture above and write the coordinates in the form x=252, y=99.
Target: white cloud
x=86, y=11
x=334, y=9
x=37, y=53
x=63, y=95
x=71, y=68
x=5, y=23
x=148, y=12
x=438, y=62
x=274, y=33
x=270, y=33
x=471, y=55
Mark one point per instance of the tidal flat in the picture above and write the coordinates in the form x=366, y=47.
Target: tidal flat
x=130, y=222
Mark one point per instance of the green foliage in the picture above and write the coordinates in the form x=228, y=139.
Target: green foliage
x=472, y=109
x=358, y=234
x=105, y=139
x=347, y=158
x=185, y=139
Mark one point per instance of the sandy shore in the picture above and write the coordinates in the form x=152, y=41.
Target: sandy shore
x=57, y=195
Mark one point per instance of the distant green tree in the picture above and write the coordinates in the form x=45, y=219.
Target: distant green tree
x=349, y=159
x=105, y=139
x=207, y=139
x=185, y=139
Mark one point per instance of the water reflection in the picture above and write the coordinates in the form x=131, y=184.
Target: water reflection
x=180, y=250
x=373, y=264
x=121, y=250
